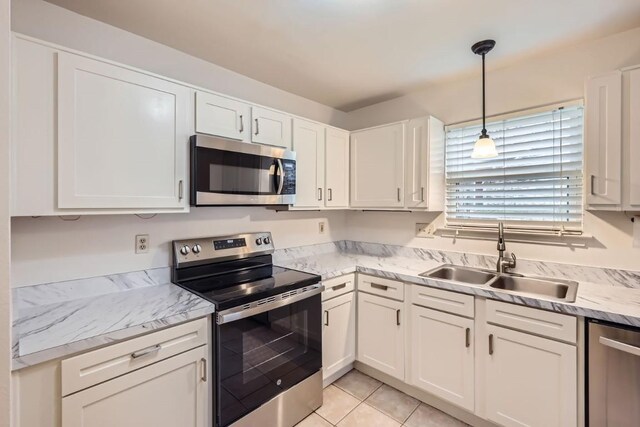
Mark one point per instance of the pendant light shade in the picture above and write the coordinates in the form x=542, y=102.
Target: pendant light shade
x=485, y=147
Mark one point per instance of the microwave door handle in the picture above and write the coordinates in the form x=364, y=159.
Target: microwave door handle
x=280, y=174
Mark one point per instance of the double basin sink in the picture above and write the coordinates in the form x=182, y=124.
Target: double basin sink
x=539, y=287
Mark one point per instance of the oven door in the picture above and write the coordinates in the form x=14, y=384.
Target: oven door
x=264, y=350
x=226, y=172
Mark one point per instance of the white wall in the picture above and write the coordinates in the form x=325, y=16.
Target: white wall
x=536, y=81
x=5, y=234
x=52, y=23
x=539, y=80
x=49, y=249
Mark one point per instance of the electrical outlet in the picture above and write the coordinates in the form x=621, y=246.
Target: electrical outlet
x=425, y=229
x=321, y=227
x=142, y=243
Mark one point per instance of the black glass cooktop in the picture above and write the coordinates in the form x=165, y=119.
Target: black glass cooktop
x=244, y=285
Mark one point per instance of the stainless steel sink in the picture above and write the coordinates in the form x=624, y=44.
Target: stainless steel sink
x=541, y=287
x=456, y=273
x=555, y=289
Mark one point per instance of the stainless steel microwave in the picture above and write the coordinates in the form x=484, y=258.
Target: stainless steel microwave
x=228, y=172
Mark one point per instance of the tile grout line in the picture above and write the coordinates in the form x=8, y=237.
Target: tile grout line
x=412, y=412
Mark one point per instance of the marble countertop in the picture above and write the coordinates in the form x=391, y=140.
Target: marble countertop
x=59, y=319
x=619, y=304
x=56, y=320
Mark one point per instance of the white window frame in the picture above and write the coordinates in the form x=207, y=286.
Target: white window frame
x=518, y=226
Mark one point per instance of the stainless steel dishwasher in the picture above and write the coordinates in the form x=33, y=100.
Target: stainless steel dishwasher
x=613, y=368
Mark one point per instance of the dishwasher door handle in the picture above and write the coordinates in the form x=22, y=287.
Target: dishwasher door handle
x=627, y=348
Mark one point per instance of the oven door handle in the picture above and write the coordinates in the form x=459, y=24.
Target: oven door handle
x=627, y=348
x=238, y=313
x=280, y=174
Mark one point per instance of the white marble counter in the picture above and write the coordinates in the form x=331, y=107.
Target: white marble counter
x=55, y=320
x=605, y=294
x=58, y=319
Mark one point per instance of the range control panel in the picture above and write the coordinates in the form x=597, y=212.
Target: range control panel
x=215, y=249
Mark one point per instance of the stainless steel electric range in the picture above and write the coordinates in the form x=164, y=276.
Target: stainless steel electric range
x=267, y=336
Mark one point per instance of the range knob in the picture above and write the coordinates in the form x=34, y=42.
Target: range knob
x=267, y=240
x=259, y=241
x=185, y=250
x=196, y=249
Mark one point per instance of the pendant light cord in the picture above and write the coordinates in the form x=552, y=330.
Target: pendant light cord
x=484, y=128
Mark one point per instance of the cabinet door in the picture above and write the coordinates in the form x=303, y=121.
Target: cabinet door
x=308, y=143
x=530, y=381
x=381, y=334
x=603, y=143
x=217, y=115
x=634, y=138
x=337, y=168
x=417, y=163
x=443, y=355
x=173, y=392
x=270, y=127
x=338, y=333
x=377, y=167
x=122, y=137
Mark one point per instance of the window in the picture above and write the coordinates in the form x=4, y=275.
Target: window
x=536, y=181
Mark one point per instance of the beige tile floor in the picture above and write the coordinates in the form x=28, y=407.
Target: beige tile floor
x=357, y=400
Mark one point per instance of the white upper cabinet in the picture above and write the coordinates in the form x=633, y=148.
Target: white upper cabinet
x=308, y=143
x=93, y=137
x=122, y=137
x=270, y=127
x=336, y=168
x=424, y=150
x=633, y=82
x=225, y=117
x=603, y=143
x=377, y=167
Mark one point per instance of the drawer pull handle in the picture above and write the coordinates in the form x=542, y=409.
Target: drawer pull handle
x=490, y=344
x=330, y=195
x=326, y=318
x=379, y=286
x=340, y=286
x=319, y=194
x=398, y=193
x=398, y=317
x=145, y=351
x=180, y=190
x=205, y=374
x=467, y=337
x=241, y=124
x=257, y=126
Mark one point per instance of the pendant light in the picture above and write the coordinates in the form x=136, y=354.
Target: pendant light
x=484, y=147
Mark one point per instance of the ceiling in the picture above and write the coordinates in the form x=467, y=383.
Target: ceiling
x=352, y=53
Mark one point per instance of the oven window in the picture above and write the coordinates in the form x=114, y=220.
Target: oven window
x=260, y=356
x=227, y=172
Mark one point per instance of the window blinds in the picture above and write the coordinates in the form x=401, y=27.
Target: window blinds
x=535, y=182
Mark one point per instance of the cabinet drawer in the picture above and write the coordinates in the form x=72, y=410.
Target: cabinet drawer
x=338, y=286
x=451, y=302
x=91, y=368
x=379, y=286
x=553, y=325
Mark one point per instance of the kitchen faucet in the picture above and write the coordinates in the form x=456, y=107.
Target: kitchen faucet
x=503, y=264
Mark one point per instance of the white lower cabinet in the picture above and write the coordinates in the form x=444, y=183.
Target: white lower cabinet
x=338, y=333
x=443, y=355
x=169, y=393
x=381, y=334
x=530, y=381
